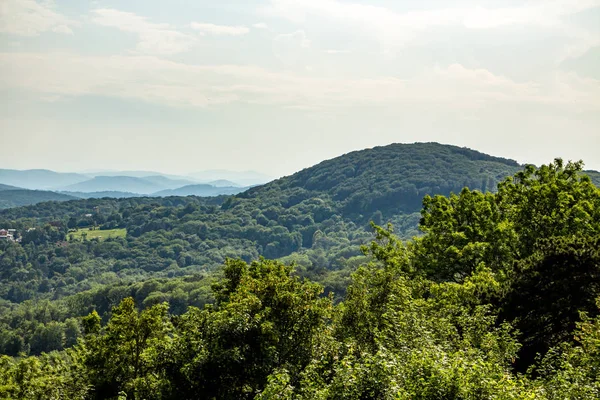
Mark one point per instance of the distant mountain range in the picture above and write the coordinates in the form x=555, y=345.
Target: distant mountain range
x=243, y=178
x=19, y=188
x=103, y=194
x=121, y=184
x=224, y=183
x=200, y=190
x=141, y=182
x=25, y=197
x=125, y=186
x=7, y=187
x=135, y=174
x=39, y=179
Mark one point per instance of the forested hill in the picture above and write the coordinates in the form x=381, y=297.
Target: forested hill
x=390, y=179
x=7, y=187
x=594, y=176
x=318, y=218
x=20, y=197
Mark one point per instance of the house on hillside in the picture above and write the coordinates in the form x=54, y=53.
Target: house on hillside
x=7, y=234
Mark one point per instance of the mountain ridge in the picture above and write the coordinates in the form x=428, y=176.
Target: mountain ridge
x=25, y=197
x=39, y=179
x=201, y=190
x=115, y=183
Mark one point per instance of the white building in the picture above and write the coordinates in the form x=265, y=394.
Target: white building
x=7, y=234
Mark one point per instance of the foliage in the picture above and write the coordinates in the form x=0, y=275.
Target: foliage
x=22, y=197
x=317, y=219
x=123, y=357
x=498, y=299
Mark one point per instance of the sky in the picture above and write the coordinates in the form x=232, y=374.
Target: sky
x=275, y=86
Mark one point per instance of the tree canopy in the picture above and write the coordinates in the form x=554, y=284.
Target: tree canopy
x=497, y=299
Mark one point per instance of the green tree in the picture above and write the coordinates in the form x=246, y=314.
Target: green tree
x=265, y=319
x=125, y=356
x=549, y=290
x=553, y=200
x=466, y=230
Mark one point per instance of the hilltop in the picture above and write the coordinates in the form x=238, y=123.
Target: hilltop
x=39, y=179
x=390, y=179
x=8, y=187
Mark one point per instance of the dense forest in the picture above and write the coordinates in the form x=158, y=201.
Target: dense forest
x=408, y=271
x=10, y=198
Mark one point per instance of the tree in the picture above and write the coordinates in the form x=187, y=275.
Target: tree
x=553, y=200
x=464, y=231
x=550, y=289
x=570, y=370
x=124, y=357
x=265, y=319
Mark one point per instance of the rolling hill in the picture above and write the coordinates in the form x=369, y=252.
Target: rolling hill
x=244, y=178
x=200, y=190
x=224, y=183
x=24, y=197
x=116, y=184
x=391, y=179
x=101, y=195
x=135, y=174
x=39, y=178
x=594, y=176
x=168, y=183
x=8, y=187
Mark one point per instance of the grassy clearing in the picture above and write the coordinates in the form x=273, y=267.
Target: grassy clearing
x=96, y=234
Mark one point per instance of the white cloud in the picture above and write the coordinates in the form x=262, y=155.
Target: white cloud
x=333, y=51
x=62, y=29
x=154, y=38
x=400, y=28
x=212, y=29
x=261, y=25
x=290, y=48
x=151, y=79
x=296, y=39
x=30, y=18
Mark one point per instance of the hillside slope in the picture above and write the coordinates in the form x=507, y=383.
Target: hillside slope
x=168, y=183
x=115, y=184
x=200, y=190
x=8, y=187
x=391, y=179
x=243, y=178
x=594, y=176
x=24, y=197
x=101, y=195
x=39, y=178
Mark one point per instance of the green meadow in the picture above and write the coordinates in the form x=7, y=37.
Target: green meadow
x=89, y=234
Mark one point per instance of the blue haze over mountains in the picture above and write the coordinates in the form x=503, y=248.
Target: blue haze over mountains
x=29, y=186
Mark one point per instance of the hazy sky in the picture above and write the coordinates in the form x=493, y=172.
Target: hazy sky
x=279, y=85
